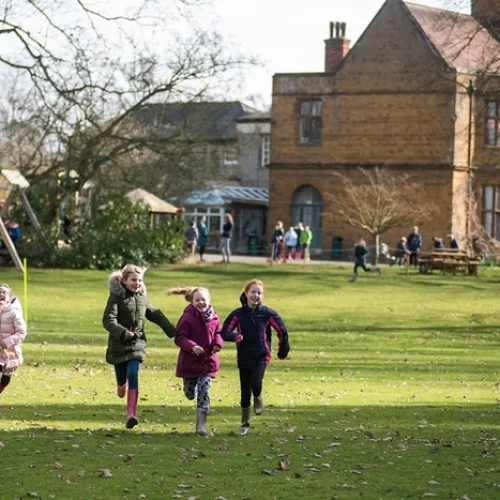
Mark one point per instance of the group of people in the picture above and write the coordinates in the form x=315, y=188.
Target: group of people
x=407, y=249
x=197, y=237
x=292, y=244
x=199, y=336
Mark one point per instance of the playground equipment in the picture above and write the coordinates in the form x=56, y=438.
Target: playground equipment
x=13, y=185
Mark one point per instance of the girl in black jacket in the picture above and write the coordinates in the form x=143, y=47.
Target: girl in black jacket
x=253, y=322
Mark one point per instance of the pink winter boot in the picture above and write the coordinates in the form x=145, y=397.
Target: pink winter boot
x=132, y=396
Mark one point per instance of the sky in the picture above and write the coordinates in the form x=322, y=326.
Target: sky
x=288, y=36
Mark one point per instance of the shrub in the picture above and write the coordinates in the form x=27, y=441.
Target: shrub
x=118, y=234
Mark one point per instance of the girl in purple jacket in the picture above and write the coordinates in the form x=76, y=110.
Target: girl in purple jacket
x=199, y=339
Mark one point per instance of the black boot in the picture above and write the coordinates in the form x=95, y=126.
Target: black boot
x=245, y=421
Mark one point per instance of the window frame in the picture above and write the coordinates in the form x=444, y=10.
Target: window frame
x=310, y=123
x=231, y=155
x=496, y=120
x=490, y=215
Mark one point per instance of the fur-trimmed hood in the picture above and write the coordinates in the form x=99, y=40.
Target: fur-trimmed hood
x=116, y=287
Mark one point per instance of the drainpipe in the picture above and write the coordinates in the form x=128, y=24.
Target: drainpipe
x=468, y=235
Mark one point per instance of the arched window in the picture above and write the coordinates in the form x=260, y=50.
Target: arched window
x=307, y=206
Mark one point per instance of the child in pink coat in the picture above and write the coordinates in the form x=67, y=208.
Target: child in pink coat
x=12, y=333
x=198, y=337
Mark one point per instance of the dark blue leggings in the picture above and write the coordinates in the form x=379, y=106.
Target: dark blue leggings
x=128, y=372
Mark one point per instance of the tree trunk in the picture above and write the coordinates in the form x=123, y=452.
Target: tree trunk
x=377, y=248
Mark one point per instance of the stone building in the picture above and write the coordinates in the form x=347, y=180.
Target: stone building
x=418, y=93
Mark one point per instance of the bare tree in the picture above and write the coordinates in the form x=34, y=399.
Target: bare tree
x=78, y=72
x=381, y=199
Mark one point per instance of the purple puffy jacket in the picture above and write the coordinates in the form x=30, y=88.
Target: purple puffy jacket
x=193, y=330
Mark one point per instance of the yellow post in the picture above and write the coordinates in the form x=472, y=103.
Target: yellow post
x=25, y=281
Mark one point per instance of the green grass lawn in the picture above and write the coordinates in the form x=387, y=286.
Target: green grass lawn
x=391, y=390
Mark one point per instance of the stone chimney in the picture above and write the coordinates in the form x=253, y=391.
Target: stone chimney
x=487, y=12
x=336, y=47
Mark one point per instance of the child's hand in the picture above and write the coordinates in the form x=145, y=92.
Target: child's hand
x=216, y=348
x=128, y=335
x=198, y=350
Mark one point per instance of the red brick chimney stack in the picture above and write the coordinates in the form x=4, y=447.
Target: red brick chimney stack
x=336, y=47
x=487, y=12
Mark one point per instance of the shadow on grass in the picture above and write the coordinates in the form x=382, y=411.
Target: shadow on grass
x=400, y=418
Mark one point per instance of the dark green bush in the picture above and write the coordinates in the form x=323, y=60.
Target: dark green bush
x=118, y=234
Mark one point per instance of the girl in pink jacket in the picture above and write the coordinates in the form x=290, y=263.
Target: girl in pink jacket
x=12, y=333
x=198, y=337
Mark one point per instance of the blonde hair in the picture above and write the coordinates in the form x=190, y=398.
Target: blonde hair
x=187, y=291
x=228, y=217
x=9, y=289
x=253, y=282
x=131, y=269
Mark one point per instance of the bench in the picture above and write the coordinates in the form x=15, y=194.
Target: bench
x=451, y=261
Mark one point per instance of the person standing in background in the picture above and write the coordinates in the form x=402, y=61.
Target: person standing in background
x=225, y=237
x=414, y=243
x=202, y=236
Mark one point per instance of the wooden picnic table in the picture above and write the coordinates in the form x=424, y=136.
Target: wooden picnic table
x=452, y=261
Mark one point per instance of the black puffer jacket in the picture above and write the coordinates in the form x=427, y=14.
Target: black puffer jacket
x=253, y=333
x=128, y=311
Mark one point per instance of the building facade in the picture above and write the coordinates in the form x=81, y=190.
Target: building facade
x=418, y=93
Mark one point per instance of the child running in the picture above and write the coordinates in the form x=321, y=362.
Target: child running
x=253, y=322
x=12, y=333
x=126, y=311
x=360, y=256
x=199, y=339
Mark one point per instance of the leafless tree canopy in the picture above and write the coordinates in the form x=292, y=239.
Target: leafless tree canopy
x=379, y=200
x=74, y=73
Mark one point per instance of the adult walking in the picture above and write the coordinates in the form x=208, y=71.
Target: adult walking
x=414, y=243
x=202, y=236
x=225, y=238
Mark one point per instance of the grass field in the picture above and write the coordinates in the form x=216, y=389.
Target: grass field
x=391, y=390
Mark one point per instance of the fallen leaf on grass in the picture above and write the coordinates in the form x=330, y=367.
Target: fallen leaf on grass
x=105, y=473
x=284, y=464
x=33, y=494
x=268, y=472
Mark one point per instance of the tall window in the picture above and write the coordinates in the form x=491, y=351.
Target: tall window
x=265, y=150
x=492, y=128
x=491, y=211
x=310, y=122
x=307, y=207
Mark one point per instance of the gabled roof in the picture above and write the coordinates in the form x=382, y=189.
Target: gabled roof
x=15, y=177
x=223, y=195
x=155, y=204
x=462, y=42
x=207, y=121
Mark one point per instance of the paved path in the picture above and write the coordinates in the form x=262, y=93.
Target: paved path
x=215, y=258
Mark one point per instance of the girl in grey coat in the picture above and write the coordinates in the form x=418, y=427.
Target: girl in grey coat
x=127, y=309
